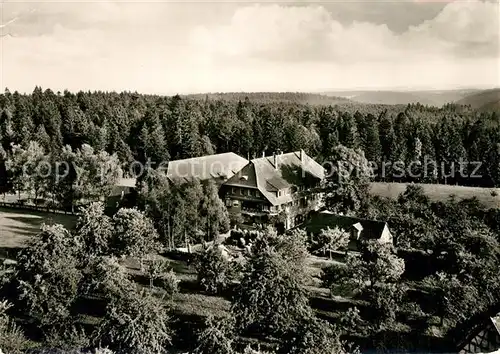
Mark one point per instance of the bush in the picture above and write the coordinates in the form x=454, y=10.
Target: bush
x=159, y=272
x=67, y=340
x=247, y=236
x=249, y=350
x=12, y=338
x=236, y=219
x=169, y=282
x=103, y=351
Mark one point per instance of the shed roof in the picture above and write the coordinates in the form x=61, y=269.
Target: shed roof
x=370, y=229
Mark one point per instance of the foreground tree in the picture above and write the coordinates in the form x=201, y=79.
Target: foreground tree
x=215, y=214
x=156, y=197
x=347, y=182
x=315, y=336
x=47, y=275
x=95, y=230
x=215, y=272
x=96, y=173
x=331, y=240
x=271, y=298
x=458, y=301
x=105, y=277
x=134, y=234
x=136, y=323
x=217, y=337
x=28, y=169
x=374, y=275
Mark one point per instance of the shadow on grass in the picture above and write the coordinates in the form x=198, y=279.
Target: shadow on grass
x=33, y=221
x=24, y=230
x=10, y=252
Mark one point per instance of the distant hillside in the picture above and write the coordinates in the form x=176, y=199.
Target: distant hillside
x=429, y=98
x=388, y=97
x=270, y=97
x=487, y=100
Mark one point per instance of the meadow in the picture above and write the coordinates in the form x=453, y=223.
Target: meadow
x=489, y=197
x=18, y=225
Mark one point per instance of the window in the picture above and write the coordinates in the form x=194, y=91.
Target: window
x=249, y=192
x=279, y=193
x=229, y=202
x=242, y=191
x=233, y=190
x=236, y=203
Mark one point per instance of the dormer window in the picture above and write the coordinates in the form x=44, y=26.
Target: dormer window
x=244, y=178
x=356, y=231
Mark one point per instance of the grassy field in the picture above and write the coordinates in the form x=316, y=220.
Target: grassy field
x=18, y=225
x=440, y=192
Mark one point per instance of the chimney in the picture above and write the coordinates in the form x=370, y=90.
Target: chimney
x=275, y=158
x=263, y=154
x=302, y=156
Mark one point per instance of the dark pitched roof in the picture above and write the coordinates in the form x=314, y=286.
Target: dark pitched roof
x=465, y=331
x=219, y=166
x=294, y=169
x=244, y=178
x=496, y=322
x=125, y=185
x=371, y=229
x=126, y=182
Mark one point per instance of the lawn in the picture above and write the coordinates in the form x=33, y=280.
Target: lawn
x=18, y=225
x=441, y=192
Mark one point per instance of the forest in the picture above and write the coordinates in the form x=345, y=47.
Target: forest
x=139, y=127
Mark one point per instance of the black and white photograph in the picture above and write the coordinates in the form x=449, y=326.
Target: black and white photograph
x=249, y=177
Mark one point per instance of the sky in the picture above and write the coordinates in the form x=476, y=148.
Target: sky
x=168, y=47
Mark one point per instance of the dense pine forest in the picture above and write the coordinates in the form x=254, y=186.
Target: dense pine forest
x=141, y=127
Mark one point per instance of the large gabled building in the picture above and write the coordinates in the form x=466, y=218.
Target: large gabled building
x=218, y=167
x=282, y=184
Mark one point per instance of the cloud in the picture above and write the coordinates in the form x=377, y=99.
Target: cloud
x=167, y=47
x=285, y=33
x=463, y=27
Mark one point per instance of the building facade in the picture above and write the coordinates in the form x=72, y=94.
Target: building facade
x=283, y=187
